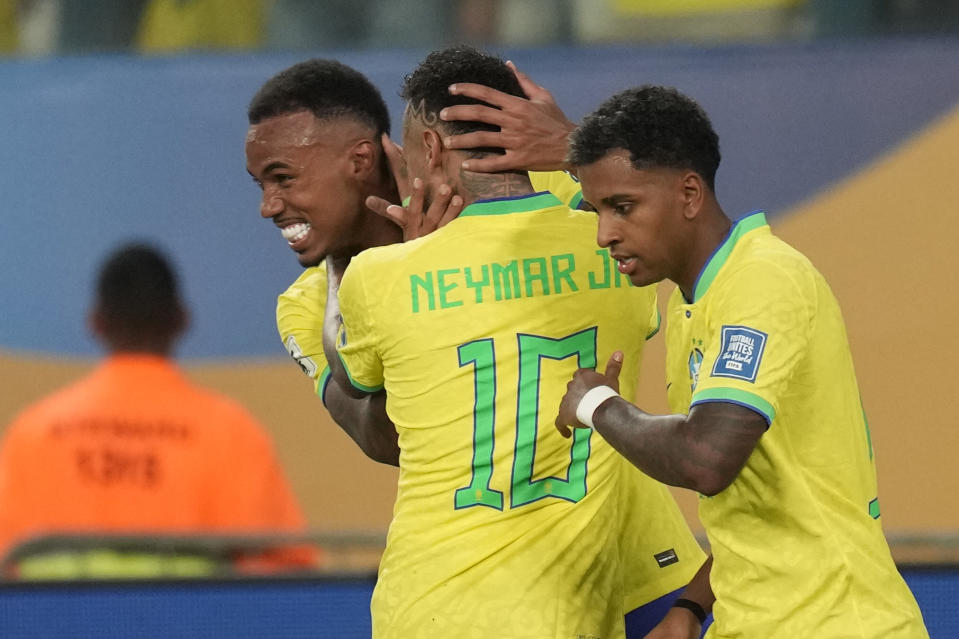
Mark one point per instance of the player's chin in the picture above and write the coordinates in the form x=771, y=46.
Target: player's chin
x=642, y=277
x=311, y=257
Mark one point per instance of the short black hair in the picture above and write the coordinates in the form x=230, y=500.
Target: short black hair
x=137, y=294
x=426, y=89
x=327, y=89
x=659, y=126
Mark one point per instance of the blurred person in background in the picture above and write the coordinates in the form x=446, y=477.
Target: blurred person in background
x=134, y=446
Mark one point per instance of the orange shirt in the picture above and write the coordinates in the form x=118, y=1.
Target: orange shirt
x=134, y=446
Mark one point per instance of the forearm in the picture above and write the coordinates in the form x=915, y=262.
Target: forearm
x=665, y=447
x=365, y=421
x=332, y=321
x=698, y=590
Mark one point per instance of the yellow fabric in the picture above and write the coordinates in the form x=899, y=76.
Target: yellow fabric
x=299, y=320
x=559, y=183
x=502, y=527
x=680, y=7
x=170, y=25
x=798, y=546
x=9, y=40
x=112, y=564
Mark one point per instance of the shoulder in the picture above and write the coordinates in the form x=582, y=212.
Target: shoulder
x=768, y=263
x=51, y=407
x=310, y=283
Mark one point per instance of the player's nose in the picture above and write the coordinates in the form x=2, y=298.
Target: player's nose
x=606, y=233
x=270, y=205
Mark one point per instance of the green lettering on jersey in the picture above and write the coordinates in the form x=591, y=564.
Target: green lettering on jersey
x=477, y=286
x=560, y=274
x=541, y=275
x=446, y=288
x=506, y=281
x=426, y=283
x=595, y=282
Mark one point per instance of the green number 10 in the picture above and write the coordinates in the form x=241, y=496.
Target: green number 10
x=524, y=489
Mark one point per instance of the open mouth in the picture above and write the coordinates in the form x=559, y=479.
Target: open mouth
x=625, y=264
x=295, y=232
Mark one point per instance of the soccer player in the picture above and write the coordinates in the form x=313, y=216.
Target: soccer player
x=500, y=528
x=315, y=148
x=767, y=424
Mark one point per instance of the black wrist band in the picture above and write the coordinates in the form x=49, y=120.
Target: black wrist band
x=693, y=607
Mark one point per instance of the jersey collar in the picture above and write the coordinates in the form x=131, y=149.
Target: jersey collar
x=516, y=204
x=741, y=227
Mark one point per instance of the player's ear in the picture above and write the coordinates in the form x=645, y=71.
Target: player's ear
x=693, y=194
x=363, y=156
x=434, y=148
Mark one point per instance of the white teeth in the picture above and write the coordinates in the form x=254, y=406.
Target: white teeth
x=295, y=232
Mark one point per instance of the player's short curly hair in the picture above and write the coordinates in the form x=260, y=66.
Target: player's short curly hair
x=327, y=88
x=659, y=126
x=426, y=89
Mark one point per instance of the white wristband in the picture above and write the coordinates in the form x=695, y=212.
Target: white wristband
x=591, y=401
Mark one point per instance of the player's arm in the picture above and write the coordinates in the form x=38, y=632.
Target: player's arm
x=682, y=621
x=361, y=415
x=534, y=131
x=702, y=451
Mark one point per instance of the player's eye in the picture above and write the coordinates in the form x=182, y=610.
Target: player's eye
x=257, y=182
x=622, y=208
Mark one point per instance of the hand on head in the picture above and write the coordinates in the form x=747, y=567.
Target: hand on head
x=534, y=131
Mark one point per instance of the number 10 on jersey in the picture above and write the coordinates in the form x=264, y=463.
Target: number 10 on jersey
x=481, y=355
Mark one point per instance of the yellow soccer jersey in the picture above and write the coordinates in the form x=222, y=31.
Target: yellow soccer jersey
x=797, y=543
x=502, y=527
x=299, y=320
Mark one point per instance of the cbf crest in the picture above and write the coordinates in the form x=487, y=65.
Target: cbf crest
x=740, y=353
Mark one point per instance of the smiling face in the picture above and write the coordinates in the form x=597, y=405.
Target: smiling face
x=644, y=216
x=314, y=176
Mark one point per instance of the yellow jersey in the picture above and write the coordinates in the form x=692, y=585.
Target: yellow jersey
x=502, y=527
x=796, y=538
x=299, y=319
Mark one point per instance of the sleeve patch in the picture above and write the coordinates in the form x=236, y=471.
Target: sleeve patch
x=305, y=363
x=740, y=353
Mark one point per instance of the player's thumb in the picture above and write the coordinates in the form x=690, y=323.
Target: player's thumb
x=613, y=367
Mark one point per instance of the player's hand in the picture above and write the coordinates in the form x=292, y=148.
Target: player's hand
x=678, y=623
x=534, y=131
x=584, y=380
x=412, y=219
x=397, y=163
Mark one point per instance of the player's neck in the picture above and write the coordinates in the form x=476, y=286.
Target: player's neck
x=711, y=233
x=474, y=186
x=377, y=230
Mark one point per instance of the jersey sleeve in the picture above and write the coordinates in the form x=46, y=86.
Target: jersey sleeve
x=357, y=340
x=562, y=184
x=758, y=329
x=299, y=320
